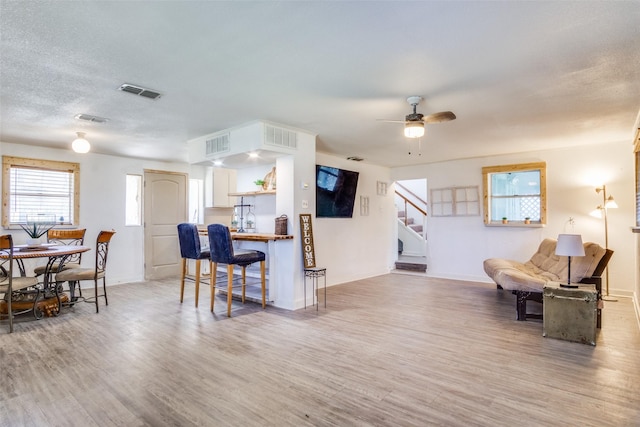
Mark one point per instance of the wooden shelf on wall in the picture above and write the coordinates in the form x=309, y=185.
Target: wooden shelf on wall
x=253, y=193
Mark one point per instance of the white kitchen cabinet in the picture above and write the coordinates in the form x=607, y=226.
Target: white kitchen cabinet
x=224, y=182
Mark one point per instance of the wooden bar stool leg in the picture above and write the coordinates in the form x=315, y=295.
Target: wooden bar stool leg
x=244, y=281
x=197, y=281
x=264, y=283
x=213, y=267
x=184, y=273
x=229, y=288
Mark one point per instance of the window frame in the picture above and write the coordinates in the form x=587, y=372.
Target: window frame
x=8, y=162
x=487, y=171
x=137, y=203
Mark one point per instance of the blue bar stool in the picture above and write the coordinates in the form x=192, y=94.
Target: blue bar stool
x=190, y=249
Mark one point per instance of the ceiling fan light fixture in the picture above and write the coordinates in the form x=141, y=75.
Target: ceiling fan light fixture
x=80, y=144
x=414, y=130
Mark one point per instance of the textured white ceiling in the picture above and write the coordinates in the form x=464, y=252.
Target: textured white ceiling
x=520, y=76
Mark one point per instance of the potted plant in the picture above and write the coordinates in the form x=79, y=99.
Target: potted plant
x=259, y=183
x=35, y=230
x=527, y=220
x=504, y=220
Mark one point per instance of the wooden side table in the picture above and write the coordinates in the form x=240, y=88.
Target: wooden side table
x=570, y=313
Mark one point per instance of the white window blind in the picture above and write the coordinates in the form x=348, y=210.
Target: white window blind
x=39, y=191
x=43, y=194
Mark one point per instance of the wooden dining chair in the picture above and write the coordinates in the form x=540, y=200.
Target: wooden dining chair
x=10, y=284
x=76, y=275
x=221, y=252
x=64, y=237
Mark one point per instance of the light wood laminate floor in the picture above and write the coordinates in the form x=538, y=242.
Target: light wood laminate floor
x=394, y=350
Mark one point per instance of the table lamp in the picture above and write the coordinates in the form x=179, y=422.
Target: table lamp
x=569, y=245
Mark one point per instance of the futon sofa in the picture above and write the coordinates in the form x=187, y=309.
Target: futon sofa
x=526, y=280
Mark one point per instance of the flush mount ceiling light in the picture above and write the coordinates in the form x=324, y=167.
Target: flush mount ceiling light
x=80, y=145
x=141, y=91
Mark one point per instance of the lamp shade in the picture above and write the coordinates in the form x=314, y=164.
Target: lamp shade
x=597, y=212
x=569, y=245
x=80, y=145
x=610, y=203
x=414, y=129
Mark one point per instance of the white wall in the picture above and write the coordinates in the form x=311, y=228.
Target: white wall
x=457, y=246
x=362, y=246
x=102, y=203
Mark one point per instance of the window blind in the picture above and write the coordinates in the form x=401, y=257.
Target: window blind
x=41, y=195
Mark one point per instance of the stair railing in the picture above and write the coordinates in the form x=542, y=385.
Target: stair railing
x=407, y=201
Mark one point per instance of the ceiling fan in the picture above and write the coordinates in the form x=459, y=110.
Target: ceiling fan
x=414, y=122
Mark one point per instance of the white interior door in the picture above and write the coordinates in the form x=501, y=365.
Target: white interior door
x=165, y=206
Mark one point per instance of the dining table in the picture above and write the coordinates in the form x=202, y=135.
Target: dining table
x=57, y=256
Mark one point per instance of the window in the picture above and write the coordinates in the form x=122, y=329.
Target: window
x=196, y=201
x=133, y=204
x=32, y=188
x=515, y=192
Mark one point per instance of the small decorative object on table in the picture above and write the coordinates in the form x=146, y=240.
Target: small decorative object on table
x=36, y=226
x=505, y=220
x=281, y=225
x=527, y=220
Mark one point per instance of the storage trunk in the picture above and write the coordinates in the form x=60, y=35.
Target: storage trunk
x=570, y=313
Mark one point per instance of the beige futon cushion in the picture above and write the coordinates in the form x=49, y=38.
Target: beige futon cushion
x=544, y=266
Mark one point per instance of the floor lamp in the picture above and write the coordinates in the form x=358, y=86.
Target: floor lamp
x=599, y=212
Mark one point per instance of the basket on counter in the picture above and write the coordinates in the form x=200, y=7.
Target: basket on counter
x=281, y=225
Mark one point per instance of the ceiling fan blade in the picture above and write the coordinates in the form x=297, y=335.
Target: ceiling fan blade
x=443, y=116
x=391, y=121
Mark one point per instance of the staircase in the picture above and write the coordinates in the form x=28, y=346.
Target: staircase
x=411, y=223
x=411, y=263
x=413, y=232
x=408, y=262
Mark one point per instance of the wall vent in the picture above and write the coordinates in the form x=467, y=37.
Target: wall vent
x=90, y=118
x=137, y=90
x=217, y=144
x=280, y=137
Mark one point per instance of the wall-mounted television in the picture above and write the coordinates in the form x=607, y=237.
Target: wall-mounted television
x=335, y=192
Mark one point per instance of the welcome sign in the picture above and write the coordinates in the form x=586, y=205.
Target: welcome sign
x=306, y=231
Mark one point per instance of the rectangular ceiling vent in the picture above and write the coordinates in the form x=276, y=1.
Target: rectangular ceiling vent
x=90, y=118
x=137, y=90
x=217, y=144
x=280, y=137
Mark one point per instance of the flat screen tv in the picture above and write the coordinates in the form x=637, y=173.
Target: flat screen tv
x=335, y=192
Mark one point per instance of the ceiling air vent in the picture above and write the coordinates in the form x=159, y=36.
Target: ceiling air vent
x=90, y=118
x=137, y=90
x=355, y=158
x=280, y=137
x=217, y=144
